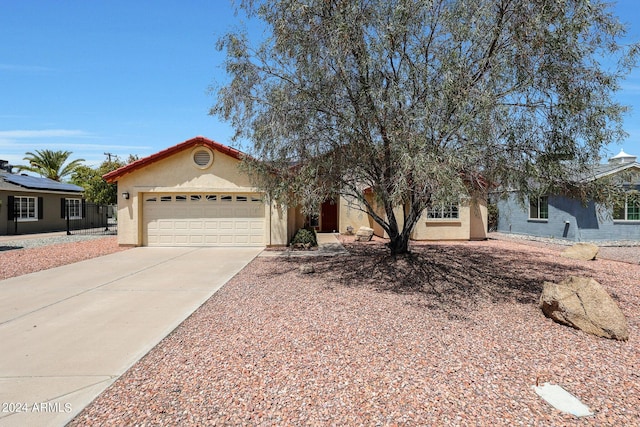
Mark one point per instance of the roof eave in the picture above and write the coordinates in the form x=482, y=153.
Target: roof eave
x=113, y=176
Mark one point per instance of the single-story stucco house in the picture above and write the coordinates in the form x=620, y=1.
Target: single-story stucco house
x=194, y=194
x=561, y=217
x=30, y=204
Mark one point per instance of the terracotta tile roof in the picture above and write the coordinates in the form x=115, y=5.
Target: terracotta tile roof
x=193, y=142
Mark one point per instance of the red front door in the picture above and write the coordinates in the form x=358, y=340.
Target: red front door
x=329, y=217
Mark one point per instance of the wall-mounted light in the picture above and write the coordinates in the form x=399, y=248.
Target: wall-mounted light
x=125, y=195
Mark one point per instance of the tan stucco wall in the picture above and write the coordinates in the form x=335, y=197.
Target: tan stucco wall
x=349, y=214
x=471, y=224
x=479, y=220
x=178, y=173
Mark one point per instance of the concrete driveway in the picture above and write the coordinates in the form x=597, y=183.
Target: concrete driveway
x=68, y=333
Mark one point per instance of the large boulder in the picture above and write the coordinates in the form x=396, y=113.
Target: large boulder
x=583, y=251
x=582, y=303
x=364, y=234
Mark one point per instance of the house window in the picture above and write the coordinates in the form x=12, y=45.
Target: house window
x=25, y=208
x=628, y=209
x=539, y=208
x=74, y=207
x=446, y=211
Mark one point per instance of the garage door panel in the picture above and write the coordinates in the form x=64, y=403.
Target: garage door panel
x=242, y=225
x=196, y=239
x=226, y=239
x=226, y=225
x=226, y=212
x=196, y=225
x=203, y=220
x=242, y=240
x=181, y=225
x=211, y=239
x=210, y=225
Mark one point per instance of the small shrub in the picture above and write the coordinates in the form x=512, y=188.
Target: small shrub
x=305, y=236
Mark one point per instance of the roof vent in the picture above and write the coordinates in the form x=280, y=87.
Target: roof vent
x=202, y=157
x=622, y=157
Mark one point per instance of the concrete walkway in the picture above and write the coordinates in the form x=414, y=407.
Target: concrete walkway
x=328, y=245
x=68, y=333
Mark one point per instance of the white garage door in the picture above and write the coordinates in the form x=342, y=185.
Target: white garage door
x=203, y=220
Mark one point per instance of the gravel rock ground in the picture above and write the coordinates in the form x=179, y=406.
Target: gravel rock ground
x=621, y=250
x=449, y=335
x=28, y=255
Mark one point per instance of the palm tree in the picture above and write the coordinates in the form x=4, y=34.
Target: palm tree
x=50, y=164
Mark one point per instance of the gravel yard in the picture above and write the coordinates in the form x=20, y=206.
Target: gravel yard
x=450, y=335
x=29, y=254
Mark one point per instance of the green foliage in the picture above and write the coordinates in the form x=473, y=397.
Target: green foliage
x=492, y=217
x=50, y=164
x=305, y=236
x=423, y=102
x=96, y=189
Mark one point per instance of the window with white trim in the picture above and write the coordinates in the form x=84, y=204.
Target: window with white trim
x=445, y=211
x=628, y=209
x=25, y=208
x=74, y=207
x=539, y=208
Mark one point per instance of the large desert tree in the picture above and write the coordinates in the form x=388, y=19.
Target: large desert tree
x=50, y=164
x=405, y=104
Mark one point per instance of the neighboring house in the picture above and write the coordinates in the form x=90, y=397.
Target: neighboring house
x=30, y=204
x=562, y=217
x=194, y=194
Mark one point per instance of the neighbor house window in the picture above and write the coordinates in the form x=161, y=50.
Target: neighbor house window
x=25, y=208
x=75, y=208
x=446, y=211
x=628, y=209
x=539, y=208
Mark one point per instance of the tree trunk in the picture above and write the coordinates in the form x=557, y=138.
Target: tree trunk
x=399, y=243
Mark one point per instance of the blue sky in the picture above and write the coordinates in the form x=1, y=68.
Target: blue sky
x=132, y=77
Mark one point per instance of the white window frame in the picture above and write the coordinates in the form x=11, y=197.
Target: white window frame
x=446, y=212
x=24, y=216
x=626, y=209
x=74, y=207
x=539, y=202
